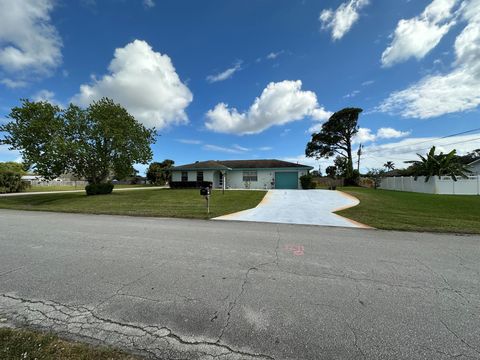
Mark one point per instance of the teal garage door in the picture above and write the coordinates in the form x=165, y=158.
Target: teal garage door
x=286, y=180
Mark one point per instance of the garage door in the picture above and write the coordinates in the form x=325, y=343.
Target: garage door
x=286, y=180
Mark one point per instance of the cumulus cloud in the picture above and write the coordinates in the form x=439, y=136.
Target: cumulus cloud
x=366, y=135
x=224, y=75
x=145, y=82
x=29, y=43
x=279, y=104
x=341, y=20
x=454, y=91
x=46, y=95
x=417, y=36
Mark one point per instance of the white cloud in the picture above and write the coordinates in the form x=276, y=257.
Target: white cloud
x=265, y=148
x=342, y=19
x=352, y=94
x=145, y=82
x=29, y=43
x=229, y=150
x=390, y=133
x=374, y=156
x=416, y=37
x=365, y=135
x=190, y=141
x=454, y=91
x=13, y=84
x=46, y=95
x=148, y=4
x=274, y=55
x=368, y=82
x=279, y=104
x=224, y=75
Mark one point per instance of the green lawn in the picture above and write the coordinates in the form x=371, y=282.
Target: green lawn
x=67, y=188
x=25, y=344
x=397, y=210
x=184, y=203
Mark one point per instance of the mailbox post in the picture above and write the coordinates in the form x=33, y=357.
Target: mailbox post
x=205, y=192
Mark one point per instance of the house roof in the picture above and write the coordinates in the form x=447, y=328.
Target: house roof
x=202, y=165
x=240, y=164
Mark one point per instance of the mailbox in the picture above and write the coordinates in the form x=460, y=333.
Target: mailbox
x=205, y=191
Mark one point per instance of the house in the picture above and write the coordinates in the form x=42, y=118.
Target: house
x=243, y=174
x=474, y=167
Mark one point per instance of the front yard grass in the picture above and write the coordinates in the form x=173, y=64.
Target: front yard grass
x=181, y=203
x=26, y=344
x=397, y=210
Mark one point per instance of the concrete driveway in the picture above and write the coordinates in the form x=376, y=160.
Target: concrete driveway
x=306, y=207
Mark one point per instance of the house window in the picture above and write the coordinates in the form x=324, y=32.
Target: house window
x=199, y=176
x=184, y=176
x=250, y=176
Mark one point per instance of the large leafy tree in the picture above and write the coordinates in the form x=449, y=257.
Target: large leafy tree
x=438, y=165
x=159, y=173
x=335, y=138
x=92, y=143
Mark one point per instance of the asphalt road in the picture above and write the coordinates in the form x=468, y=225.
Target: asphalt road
x=185, y=289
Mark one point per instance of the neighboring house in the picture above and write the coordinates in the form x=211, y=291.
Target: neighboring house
x=243, y=174
x=474, y=167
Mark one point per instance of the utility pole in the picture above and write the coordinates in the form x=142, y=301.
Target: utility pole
x=359, y=153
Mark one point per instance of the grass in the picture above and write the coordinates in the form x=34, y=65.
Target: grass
x=26, y=344
x=68, y=187
x=181, y=203
x=397, y=210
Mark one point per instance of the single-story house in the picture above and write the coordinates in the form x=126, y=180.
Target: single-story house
x=474, y=167
x=243, y=174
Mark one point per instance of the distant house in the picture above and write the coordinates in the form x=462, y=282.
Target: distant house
x=474, y=167
x=243, y=174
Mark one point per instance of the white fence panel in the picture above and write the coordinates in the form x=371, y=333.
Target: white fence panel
x=435, y=185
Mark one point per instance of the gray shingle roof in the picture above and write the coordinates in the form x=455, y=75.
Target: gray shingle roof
x=240, y=164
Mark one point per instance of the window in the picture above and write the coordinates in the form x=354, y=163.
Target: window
x=199, y=176
x=249, y=176
x=184, y=176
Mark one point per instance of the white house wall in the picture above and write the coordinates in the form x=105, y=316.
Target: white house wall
x=265, y=178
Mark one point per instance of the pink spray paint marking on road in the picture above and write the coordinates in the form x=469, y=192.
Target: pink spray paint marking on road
x=297, y=250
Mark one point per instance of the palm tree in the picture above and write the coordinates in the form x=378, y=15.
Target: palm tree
x=439, y=165
x=389, y=165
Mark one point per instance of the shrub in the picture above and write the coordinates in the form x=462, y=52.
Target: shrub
x=11, y=181
x=307, y=182
x=190, y=184
x=99, y=189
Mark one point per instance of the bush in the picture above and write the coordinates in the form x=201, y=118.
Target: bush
x=307, y=182
x=190, y=184
x=11, y=181
x=99, y=189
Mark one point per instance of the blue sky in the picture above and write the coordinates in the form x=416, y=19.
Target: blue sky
x=252, y=79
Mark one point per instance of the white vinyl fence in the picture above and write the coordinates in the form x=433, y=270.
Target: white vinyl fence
x=435, y=185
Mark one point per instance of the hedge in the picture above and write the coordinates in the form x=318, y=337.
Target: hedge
x=11, y=182
x=99, y=189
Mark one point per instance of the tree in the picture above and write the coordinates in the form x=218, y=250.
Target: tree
x=160, y=173
x=389, y=165
x=335, y=138
x=331, y=171
x=341, y=163
x=376, y=175
x=438, y=165
x=92, y=143
x=13, y=166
